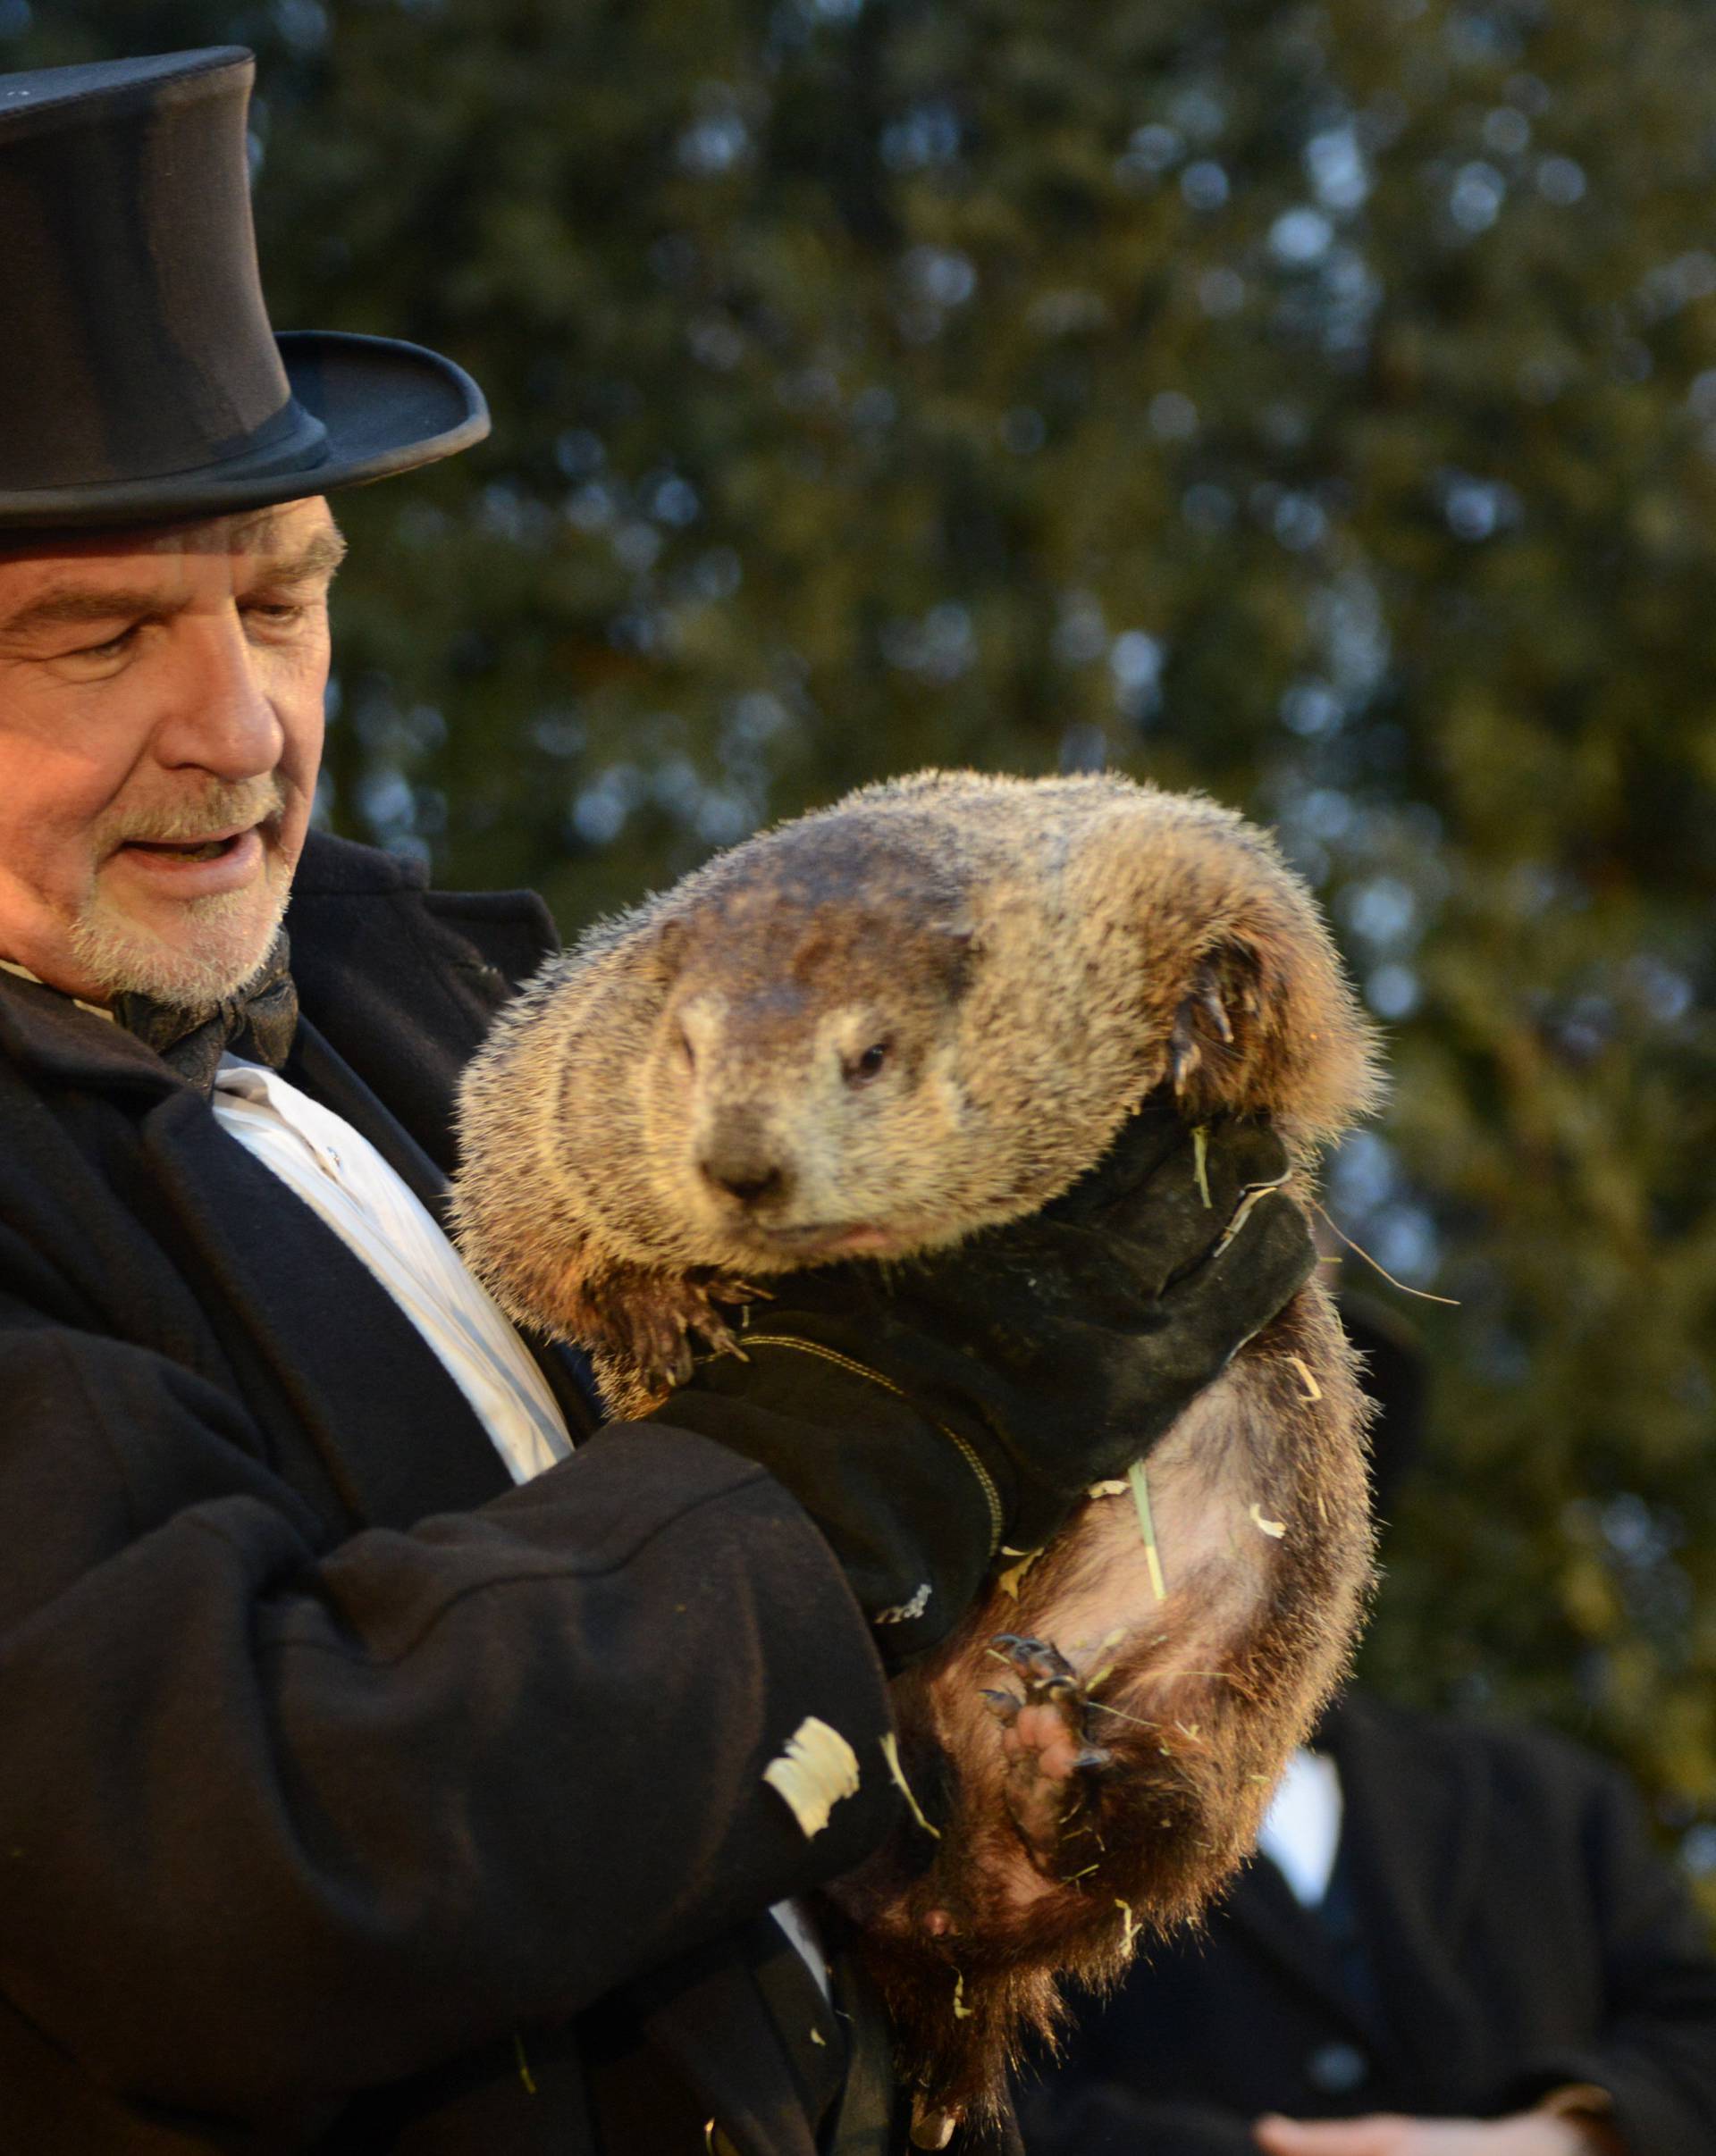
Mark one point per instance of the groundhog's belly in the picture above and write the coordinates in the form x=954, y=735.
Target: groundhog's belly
x=1096, y=1750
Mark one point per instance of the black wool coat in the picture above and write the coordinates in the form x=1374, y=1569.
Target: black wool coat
x=1520, y=1930
x=351, y=1799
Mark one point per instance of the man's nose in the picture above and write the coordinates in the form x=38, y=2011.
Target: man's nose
x=216, y=713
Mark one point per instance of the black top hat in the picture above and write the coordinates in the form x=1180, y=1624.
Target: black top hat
x=139, y=379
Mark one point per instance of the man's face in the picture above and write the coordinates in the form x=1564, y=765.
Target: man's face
x=160, y=730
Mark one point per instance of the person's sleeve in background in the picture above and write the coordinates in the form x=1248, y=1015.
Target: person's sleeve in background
x=1656, y=2052
x=1065, y=2119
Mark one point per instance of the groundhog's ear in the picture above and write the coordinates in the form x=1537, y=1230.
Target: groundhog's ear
x=665, y=949
x=962, y=949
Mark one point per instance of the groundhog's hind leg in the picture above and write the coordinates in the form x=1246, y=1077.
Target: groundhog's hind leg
x=1047, y=1741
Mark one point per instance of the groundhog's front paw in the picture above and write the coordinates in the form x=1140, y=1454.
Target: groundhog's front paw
x=1208, y=1040
x=650, y=1328
x=1053, y=1765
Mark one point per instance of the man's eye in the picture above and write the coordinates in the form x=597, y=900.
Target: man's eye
x=274, y=614
x=113, y=647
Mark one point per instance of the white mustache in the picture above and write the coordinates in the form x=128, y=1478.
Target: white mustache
x=218, y=809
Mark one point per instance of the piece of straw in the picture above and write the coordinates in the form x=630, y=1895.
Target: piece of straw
x=1253, y=1194
x=1139, y=1481
x=1008, y=1581
x=891, y=1753
x=1423, y=1294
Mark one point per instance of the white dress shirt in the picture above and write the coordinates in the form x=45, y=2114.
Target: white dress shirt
x=339, y=1175
x=1301, y=1831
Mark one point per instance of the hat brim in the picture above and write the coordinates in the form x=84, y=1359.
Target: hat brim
x=374, y=406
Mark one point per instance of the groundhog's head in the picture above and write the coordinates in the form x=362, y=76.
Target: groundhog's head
x=801, y=1100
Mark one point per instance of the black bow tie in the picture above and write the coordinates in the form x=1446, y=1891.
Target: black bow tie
x=260, y=1020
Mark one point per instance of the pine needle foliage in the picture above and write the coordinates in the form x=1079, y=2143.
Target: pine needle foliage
x=1314, y=404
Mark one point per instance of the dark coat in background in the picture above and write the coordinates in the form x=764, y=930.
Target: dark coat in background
x=1516, y=1931
x=350, y=1799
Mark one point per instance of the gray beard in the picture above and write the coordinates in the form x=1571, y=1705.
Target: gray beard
x=119, y=961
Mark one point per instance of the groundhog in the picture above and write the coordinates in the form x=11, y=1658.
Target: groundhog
x=866, y=1035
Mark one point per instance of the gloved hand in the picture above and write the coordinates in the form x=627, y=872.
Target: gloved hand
x=929, y=1415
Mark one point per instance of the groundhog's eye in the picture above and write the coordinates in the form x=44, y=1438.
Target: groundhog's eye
x=867, y=1066
x=688, y=1054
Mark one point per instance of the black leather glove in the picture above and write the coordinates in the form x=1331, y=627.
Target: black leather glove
x=932, y=1414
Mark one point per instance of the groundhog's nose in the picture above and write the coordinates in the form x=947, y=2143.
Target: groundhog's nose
x=747, y=1177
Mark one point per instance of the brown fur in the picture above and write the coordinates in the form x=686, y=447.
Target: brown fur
x=683, y=1102
x=1199, y=1699
x=1026, y=947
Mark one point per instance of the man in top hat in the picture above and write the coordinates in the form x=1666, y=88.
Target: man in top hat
x=385, y=1750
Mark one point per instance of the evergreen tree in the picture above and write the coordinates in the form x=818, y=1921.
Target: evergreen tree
x=1314, y=404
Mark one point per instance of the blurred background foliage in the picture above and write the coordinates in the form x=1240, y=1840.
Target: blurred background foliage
x=1314, y=404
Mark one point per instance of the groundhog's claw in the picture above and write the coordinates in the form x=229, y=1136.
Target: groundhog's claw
x=666, y=1348
x=1046, y=1741
x=718, y=1333
x=1210, y=1001
x=654, y=1333
x=1202, y=1011
x=931, y=2129
x=1184, y=1054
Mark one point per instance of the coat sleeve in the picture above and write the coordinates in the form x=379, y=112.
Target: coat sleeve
x=1655, y=2051
x=1099, y=2118
x=280, y=1819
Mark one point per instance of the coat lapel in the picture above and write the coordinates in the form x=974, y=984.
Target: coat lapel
x=404, y=983
x=711, y=2014
x=380, y=1412
x=1263, y=1906
x=52, y=1037
x=329, y=1079
x=398, y=988
x=1419, y=1822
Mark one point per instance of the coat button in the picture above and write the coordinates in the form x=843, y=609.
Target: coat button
x=1337, y=2069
